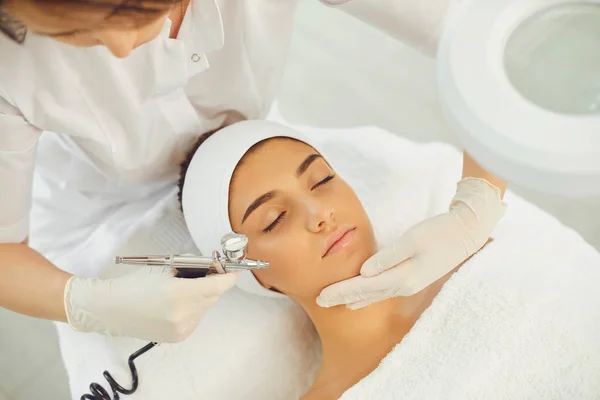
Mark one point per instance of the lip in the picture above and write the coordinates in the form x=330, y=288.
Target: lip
x=339, y=239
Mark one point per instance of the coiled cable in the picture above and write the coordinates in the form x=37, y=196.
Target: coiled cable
x=99, y=393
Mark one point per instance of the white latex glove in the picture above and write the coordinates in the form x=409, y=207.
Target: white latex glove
x=426, y=252
x=149, y=304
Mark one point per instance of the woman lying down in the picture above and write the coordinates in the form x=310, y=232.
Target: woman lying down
x=484, y=331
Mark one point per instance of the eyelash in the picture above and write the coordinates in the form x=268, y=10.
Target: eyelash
x=282, y=215
x=275, y=223
x=323, y=182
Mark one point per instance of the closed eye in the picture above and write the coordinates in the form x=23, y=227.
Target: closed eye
x=323, y=182
x=275, y=223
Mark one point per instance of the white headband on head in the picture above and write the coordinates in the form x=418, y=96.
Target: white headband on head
x=205, y=193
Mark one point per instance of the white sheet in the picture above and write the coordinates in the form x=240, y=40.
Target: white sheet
x=256, y=348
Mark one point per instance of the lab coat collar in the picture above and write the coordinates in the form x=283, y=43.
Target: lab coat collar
x=202, y=27
x=201, y=32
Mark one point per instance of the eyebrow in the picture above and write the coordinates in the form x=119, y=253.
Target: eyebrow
x=306, y=163
x=269, y=195
x=257, y=203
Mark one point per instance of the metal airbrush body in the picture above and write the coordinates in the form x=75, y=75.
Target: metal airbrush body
x=234, y=259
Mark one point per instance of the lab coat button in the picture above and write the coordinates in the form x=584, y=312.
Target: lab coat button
x=196, y=57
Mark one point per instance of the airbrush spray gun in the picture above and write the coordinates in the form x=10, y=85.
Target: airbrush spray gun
x=234, y=259
x=191, y=266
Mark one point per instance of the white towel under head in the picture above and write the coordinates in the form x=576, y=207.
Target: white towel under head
x=205, y=194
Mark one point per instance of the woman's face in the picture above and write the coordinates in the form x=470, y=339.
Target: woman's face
x=85, y=26
x=300, y=216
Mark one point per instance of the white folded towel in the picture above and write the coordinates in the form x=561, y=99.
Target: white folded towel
x=521, y=320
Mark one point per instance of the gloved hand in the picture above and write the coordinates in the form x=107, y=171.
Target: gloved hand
x=149, y=304
x=426, y=252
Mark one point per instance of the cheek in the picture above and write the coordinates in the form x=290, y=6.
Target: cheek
x=347, y=205
x=294, y=262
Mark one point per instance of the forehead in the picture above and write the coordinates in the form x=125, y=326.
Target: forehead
x=273, y=163
x=273, y=157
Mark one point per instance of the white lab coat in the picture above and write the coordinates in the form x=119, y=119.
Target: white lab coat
x=108, y=135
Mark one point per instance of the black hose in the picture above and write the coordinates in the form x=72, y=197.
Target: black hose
x=99, y=393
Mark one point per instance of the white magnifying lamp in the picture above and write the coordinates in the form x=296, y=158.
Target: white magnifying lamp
x=520, y=80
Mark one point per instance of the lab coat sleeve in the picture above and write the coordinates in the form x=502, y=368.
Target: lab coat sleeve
x=18, y=143
x=417, y=23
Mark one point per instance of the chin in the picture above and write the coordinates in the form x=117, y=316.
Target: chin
x=349, y=265
x=363, y=248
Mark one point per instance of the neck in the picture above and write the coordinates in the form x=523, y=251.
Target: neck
x=345, y=332
x=354, y=342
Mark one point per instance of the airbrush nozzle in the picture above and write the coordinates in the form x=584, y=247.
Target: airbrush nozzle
x=246, y=265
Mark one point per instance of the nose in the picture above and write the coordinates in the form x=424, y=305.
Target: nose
x=119, y=42
x=320, y=217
